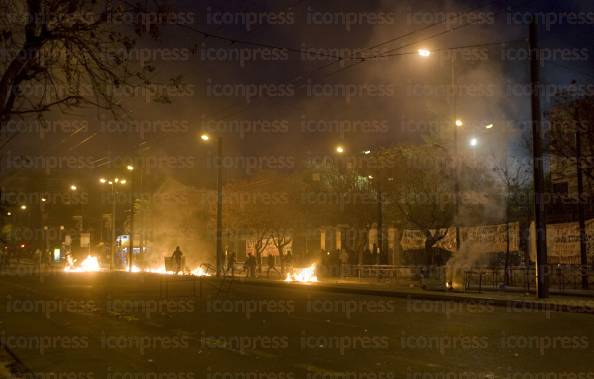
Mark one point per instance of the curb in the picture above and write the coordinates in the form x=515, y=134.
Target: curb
x=511, y=304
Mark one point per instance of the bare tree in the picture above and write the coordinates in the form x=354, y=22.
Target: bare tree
x=65, y=54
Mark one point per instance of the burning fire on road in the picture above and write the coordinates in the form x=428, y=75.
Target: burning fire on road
x=303, y=275
x=91, y=264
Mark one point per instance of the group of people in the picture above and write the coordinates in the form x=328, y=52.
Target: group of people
x=251, y=263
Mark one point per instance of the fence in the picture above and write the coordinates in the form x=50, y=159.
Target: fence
x=561, y=277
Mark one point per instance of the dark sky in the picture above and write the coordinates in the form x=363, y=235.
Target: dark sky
x=299, y=106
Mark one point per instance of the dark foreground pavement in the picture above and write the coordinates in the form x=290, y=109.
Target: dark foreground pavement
x=84, y=325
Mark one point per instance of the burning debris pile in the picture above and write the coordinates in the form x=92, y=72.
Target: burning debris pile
x=89, y=264
x=303, y=275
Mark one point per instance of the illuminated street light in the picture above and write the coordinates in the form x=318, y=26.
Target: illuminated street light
x=340, y=149
x=425, y=53
x=367, y=152
x=473, y=142
x=219, y=212
x=43, y=199
x=113, y=183
x=73, y=187
x=23, y=207
x=130, y=167
x=489, y=126
x=9, y=213
x=459, y=122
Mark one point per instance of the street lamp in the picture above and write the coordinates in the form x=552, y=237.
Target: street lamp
x=425, y=53
x=73, y=187
x=473, y=142
x=131, y=239
x=23, y=207
x=112, y=183
x=340, y=149
x=219, y=228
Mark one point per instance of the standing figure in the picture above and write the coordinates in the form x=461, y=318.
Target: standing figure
x=271, y=265
x=231, y=263
x=177, y=257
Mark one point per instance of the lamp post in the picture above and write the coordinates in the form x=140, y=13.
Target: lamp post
x=131, y=239
x=219, y=227
x=426, y=53
x=113, y=183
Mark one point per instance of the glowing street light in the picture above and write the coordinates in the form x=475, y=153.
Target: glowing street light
x=73, y=187
x=490, y=126
x=459, y=122
x=113, y=183
x=9, y=213
x=23, y=207
x=130, y=167
x=43, y=199
x=473, y=142
x=339, y=149
x=219, y=222
x=425, y=53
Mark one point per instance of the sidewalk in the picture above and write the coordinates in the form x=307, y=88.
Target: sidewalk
x=511, y=300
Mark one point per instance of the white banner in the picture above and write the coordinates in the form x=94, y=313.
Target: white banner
x=270, y=249
x=480, y=239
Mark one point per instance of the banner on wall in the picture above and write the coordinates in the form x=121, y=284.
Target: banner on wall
x=563, y=240
x=491, y=238
x=482, y=239
x=270, y=249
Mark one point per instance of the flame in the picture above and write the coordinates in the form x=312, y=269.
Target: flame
x=304, y=275
x=199, y=271
x=89, y=264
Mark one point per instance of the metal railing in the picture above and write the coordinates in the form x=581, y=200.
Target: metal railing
x=561, y=278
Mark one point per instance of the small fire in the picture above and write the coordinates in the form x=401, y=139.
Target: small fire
x=89, y=264
x=304, y=275
x=199, y=271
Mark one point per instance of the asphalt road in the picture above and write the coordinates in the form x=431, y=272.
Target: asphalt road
x=82, y=325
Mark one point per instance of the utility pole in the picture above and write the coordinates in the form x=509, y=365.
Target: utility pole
x=542, y=282
x=113, y=227
x=380, y=221
x=131, y=239
x=219, y=231
x=581, y=212
x=456, y=152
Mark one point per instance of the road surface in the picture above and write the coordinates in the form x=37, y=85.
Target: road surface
x=98, y=325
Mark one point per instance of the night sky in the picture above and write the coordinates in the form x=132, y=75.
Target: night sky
x=220, y=50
